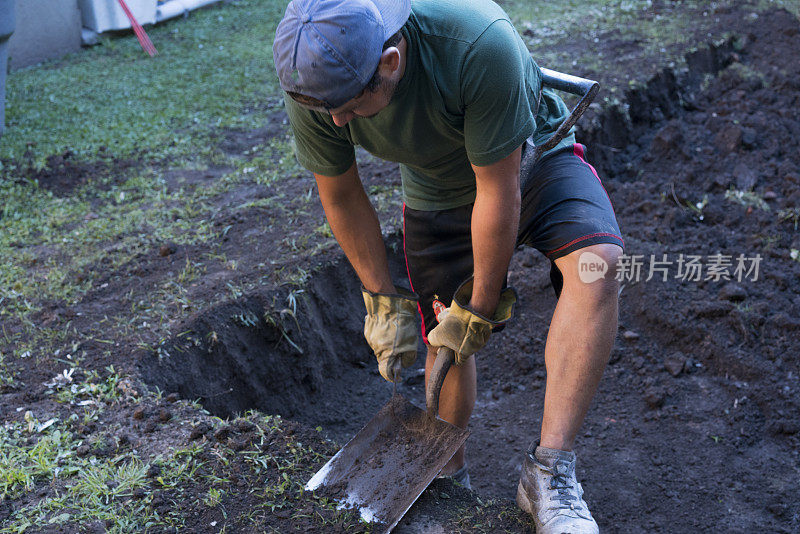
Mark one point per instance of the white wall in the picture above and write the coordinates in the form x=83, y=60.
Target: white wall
x=45, y=29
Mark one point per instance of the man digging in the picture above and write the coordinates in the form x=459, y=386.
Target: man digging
x=449, y=91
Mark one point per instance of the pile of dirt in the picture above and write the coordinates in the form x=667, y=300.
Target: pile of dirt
x=64, y=173
x=701, y=396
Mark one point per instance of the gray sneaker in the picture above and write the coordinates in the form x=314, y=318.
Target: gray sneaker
x=550, y=493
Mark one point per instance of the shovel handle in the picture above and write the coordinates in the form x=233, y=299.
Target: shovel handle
x=444, y=359
x=586, y=89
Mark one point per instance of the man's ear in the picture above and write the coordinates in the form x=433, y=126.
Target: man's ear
x=390, y=61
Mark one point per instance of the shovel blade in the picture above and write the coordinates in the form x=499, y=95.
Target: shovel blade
x=389, y=463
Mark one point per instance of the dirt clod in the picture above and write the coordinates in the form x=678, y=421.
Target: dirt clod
x=167, y=249
x=728, y=139
x=139, y=413
x=154, y=470
x=785, y=426
x=239, y=444
x=675, y=363
x=654, y=397
x=222, y=433
x=243, y=425
x=777, y=509
x=733, y=292
x=746, y=177
x=200, y=430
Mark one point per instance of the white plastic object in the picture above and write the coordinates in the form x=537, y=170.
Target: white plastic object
x=105, y=15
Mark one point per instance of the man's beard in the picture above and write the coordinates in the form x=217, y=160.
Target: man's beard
x=387, y=87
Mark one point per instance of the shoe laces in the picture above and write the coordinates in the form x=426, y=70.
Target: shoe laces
x=561, y=482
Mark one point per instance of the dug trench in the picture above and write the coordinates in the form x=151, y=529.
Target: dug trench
x=298, y=353
x=695, y=423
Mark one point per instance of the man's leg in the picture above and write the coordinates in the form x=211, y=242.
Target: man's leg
x=566, y=213
x=456, y=401
x=578, y=345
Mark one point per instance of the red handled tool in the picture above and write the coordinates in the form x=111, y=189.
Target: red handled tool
x=144, y=40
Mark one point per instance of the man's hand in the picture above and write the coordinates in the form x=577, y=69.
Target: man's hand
x=466, y=331
x=391, y=330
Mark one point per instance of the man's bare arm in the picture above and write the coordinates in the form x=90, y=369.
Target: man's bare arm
x=495, y=224
x=355, y=226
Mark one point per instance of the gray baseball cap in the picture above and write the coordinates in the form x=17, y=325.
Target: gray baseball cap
x=329, y=49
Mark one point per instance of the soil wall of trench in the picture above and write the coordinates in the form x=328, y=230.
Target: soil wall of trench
x=296, y=352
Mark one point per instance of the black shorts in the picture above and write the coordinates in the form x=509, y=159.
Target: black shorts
x=564, y=208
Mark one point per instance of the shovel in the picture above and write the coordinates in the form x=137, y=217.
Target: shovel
x=390, y=462
x=586, y=89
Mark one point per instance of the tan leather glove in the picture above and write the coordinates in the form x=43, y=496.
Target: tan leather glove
x=464, y=330
x=391, y=330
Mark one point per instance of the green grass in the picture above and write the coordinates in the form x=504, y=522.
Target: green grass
x=130, y=491
x=747, y=199
x=212, y=71
x=215, y=71
x=114, y=223
x=82, y=487
x=34, y=451
x=790, y=215
x=22, y=465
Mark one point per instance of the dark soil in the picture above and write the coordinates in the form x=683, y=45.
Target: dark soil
x=63, y=174
x=306, y=361
x=698, y=410
x=695, y=425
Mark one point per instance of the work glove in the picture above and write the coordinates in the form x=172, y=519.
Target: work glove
x=391, y=330
x=466, y=331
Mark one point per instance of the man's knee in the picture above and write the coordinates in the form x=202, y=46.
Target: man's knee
x=595, y=266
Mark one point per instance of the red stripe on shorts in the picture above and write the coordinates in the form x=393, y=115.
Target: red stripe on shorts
x=582, y=238
x=577, y=149
x=419, y=306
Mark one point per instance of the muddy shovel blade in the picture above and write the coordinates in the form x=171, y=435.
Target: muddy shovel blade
x=389, y=463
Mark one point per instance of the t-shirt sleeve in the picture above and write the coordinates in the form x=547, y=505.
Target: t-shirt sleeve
x=319, y=146
x=496, y=95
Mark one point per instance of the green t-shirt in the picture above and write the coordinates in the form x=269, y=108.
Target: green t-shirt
x=468, y=96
